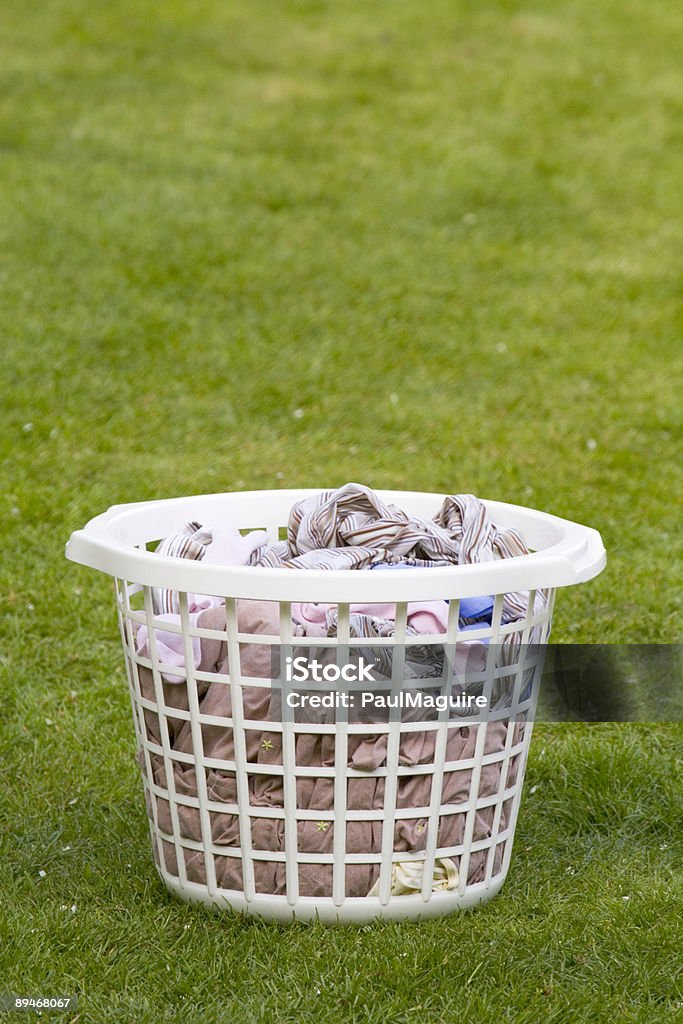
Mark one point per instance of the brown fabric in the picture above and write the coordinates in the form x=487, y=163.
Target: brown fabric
x=366, y=752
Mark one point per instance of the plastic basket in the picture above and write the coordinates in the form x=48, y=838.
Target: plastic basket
x=473, y=829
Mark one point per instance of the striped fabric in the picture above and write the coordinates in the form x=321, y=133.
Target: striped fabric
x=354, y=516
x=189, y=542
x=352, y=528
x=278, y=556
x=422, y=661
x=467, y=521
x=221, y=545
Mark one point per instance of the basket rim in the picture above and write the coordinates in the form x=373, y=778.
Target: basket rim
x=566, y=553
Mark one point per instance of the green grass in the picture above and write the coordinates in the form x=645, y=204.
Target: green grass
x=447, y=233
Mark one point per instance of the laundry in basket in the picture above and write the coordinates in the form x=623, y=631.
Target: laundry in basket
x=393, y=798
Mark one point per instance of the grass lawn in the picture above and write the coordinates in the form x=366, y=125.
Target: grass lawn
x=420, y=245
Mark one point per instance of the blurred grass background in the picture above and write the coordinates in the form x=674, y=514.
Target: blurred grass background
x=425, y=246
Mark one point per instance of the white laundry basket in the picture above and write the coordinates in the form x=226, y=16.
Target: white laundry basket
x=191, y=863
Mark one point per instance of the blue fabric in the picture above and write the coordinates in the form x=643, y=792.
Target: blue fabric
x=476, y=608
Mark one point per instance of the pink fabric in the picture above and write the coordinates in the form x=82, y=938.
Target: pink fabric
x=424, y=616
x=170, y=646
x=229, y=547
x=226, y=547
